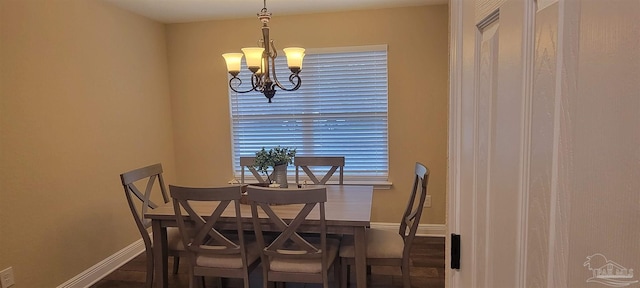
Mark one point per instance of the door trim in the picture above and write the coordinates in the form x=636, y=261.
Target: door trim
x=528, y=57
x=455, y=96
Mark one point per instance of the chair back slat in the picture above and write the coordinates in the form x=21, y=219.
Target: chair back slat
x=336, y=163
x=277, y=247
x=128, y=179
x=201, y=235
x=247, y=162
x=413, y=211
x=141, y=173
x=145, y=198
x=288, y=243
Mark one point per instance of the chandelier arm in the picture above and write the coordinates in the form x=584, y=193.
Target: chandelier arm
x=274, y=52
x=253, y=84
x=256, y=81
x=294, y=78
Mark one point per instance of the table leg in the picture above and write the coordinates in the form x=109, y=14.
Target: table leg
x=360, y=257
x=160, y=257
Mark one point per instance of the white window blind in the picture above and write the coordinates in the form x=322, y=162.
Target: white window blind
x=340, y=110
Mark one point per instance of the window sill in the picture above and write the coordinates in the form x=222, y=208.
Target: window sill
x=382, y=185
x=377, y=184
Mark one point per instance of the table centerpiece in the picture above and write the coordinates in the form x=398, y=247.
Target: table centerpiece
x=278, y=158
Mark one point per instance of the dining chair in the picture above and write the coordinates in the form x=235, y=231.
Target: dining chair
x=387, y=247
x=211, y=251
x=287, y=254
x=247, y=162
x=135, y=197
x=332, y=162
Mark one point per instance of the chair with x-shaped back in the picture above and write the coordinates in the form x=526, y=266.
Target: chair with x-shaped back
x=293, y=256
x=333, y=163
x=248, y=162
x=213, y=252
x=152, y=174
x=387, y=247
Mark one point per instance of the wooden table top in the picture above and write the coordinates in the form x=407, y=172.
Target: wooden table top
x=346, y=205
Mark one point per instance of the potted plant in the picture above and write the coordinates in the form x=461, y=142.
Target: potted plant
x=278, y=158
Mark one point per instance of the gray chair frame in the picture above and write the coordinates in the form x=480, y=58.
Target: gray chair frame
x=289, y=242
x=153, y=174
x=304, y=162
x=408, y=227
x=202, y=236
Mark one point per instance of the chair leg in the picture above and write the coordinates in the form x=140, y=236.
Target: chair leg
x=149, y=282
x=406, y=275
x=337, y=271
x=245, y=281
x=196, y=282
x=406, y=279
x=344, y=277
x=176, y=264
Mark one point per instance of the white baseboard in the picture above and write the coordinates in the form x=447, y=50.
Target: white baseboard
x=105, y=267
x=431, y=230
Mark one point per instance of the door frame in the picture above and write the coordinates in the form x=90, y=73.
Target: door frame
x=455, y=96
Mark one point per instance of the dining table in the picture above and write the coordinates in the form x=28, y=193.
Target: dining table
x=347, y=212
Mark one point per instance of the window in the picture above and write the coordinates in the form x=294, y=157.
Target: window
x=340, y=109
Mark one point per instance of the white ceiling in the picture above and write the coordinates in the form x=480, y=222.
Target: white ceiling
x=179, y=11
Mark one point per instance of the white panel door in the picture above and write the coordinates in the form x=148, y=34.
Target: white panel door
x=488, y=146
x=545, y=143
x=596, y=198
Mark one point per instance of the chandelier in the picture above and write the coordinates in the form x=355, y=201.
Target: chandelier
x=261, y=62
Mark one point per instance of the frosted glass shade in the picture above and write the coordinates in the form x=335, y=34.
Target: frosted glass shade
x=233, y=62
x=294, y=57
x=254, y=57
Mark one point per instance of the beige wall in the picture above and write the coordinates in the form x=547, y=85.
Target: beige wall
x=84, y=96
x=84, y=90
x=417, y=39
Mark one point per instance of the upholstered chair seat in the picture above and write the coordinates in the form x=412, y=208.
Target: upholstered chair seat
x=380, y=244
x=230, y=261
x=304, y=265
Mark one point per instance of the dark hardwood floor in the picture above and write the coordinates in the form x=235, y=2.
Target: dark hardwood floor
x=427, y=270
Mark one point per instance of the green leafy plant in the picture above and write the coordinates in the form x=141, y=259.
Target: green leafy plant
x=273, y=157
